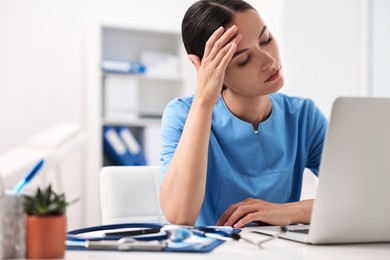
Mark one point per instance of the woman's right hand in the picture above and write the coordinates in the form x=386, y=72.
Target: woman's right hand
x=211, y=69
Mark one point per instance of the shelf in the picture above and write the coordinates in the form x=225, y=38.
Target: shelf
x=175, y=78
x=141, y=122
x=126, y=39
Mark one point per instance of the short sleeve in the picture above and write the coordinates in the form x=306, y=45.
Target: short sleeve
x=172, y=124
x=318, y=127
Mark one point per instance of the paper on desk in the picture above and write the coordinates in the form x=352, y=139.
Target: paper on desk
x=194, y=242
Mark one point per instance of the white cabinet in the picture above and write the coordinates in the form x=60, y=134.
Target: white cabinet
x=160, y=54
x=132, y=99
x=137, y=99
x=128, y=41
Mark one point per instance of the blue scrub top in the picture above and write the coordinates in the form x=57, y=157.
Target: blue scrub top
x=268, y=165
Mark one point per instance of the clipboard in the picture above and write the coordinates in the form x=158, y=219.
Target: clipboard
x=94, y=238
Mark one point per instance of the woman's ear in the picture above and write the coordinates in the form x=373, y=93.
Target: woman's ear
x=195, y=60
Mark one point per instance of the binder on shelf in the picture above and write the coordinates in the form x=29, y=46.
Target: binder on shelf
x=159, y=63
x=132, y=145
x=115, y=148
x=120, y=97
x=119, y=66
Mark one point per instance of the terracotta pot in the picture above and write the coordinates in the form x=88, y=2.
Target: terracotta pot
x=45, y=237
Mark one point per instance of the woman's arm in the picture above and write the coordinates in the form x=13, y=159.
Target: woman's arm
x=254, y=210
x=184, y=184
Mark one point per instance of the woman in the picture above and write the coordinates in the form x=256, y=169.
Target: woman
x=235, y=152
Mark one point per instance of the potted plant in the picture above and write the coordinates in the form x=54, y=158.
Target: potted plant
x=45, y=224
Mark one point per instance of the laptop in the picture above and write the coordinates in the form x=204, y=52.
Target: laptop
x=352, y=204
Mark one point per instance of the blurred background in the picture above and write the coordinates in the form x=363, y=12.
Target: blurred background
x=51, y=54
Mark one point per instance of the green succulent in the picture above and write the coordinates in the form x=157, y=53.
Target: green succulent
x=45, y=202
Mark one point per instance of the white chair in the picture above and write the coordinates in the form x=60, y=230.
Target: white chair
x=130, y=194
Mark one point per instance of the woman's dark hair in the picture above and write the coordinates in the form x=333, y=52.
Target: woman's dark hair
x=203, y=18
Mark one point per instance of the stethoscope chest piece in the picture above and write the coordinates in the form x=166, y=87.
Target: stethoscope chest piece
x=177, y=233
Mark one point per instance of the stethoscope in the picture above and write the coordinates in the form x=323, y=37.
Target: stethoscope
x=158, y=240
x=75, y=234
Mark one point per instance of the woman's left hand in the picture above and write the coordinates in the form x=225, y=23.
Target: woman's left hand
x=255, y=210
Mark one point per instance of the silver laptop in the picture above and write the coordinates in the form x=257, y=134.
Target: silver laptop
x=352, y=204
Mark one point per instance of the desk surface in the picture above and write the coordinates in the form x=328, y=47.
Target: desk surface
x=275, y=249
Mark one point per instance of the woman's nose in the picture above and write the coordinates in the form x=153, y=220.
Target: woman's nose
x=266, y=59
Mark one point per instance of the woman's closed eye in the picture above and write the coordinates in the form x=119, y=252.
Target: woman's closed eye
x=245, y=61
x=266, y=42
x=261, y=44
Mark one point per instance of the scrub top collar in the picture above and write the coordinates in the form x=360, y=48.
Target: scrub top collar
x=222, y=107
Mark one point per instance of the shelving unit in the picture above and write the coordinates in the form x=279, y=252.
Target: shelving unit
x=124, y=40
x=151, y=95
x=151, y=91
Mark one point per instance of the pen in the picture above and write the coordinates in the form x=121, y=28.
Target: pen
x=20, y=185
x=218, y=236
x=134, y=232
x=222, y=233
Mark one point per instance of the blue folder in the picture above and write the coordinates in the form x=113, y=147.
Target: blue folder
x=115, y=148
x=132, y=145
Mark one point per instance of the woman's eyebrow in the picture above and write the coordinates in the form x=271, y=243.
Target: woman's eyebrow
x=239, y=52
x=246, y=49
x=262, y=31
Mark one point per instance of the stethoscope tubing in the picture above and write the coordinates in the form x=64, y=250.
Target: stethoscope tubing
x=72, y=235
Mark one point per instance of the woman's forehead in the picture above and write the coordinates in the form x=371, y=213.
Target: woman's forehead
x=249, y=24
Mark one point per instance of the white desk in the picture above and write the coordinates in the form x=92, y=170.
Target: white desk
x=275, y=249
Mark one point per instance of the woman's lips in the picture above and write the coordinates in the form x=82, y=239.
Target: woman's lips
x=273, y=77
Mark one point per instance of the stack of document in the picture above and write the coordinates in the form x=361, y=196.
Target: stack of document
x=122, y=147
x=118, y=66
x=120, y=97
x=160, y=63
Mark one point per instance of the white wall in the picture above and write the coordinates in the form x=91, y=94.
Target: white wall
x=41, y=77
x=42, y=47
x=40, y=67
x=322, y=49
x=42, y=58
x=379, y=48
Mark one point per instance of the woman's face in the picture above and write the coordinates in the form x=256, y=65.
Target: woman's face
x=255, y=68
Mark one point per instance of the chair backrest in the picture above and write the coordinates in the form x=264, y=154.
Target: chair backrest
x=130, y=194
